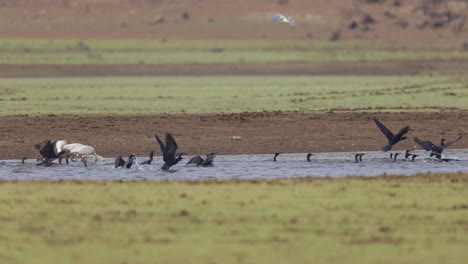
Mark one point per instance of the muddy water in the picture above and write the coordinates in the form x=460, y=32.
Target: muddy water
x=332, y=164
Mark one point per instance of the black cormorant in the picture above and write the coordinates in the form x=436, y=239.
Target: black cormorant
x=199, y=161
x=150, y=158
x=119, y=162
x=169, y=152
x=48, y=150
x=429, y=146
x=131, y=160
x=358, y=157
x=392, y=139
x=276, y=155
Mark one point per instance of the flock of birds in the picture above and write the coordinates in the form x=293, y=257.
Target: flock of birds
x=52, y=150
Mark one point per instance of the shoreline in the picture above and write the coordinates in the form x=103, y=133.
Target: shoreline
x=198, y=134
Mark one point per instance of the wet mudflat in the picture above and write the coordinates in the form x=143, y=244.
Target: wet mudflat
x=259, y=166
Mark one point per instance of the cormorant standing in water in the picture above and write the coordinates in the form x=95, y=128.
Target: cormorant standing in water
x=199, y=161
x=276, y=155
x=392, y=139
x=150, y=159
x=131, y=159
x=119, y=162
x=407, y=154
x=50, y=150
x=429, y=146
x=308, y=156
x=358, y=157
x=169, y=152
x=438, y=157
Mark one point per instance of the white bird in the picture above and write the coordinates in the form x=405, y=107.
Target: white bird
x=59, y=145
x=285, y=19
x=83, y=151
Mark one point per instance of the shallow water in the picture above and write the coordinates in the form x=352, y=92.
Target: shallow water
x=331, y=164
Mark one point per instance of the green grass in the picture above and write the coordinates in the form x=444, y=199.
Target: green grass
x=93, y=51
x=418, y=219
x=229, y=94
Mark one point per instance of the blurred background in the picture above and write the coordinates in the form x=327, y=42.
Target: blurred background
x=392, y=47
x=435, y=22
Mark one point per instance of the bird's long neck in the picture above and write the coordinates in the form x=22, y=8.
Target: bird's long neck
x=179, y=158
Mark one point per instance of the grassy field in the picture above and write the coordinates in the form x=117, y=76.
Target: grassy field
x=93, y=51
x=229, y=94
x=419, y=219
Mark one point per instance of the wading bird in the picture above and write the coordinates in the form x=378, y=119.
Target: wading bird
x=199, y=161
x=50, y=150
x=131, y=160
x=392, y=139
x=119, y=162
x=78, y=150
x=148, y=162
x=308, y=156
x=169, y=152
x=276, y=155
x=358, y=157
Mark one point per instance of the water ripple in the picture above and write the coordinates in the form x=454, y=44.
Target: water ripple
x=327, y=164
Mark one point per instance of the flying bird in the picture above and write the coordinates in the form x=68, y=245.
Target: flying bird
x=169, y=152
x=284, y=19
x=199, y=161
x=392, y=139
x=429, y=146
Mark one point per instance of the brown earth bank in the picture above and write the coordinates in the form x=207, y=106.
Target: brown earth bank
x=261, y=132
x=320, y=68
x=433, y=22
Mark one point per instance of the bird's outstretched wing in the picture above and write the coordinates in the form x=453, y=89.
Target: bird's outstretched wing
x=209, y=159
x=448, y=144
x=292, y=22
x=385, y=130
x=197, y=160
x=400, y=134
x=161, y=144
x=425, y=144
x=277, y=17
x=171, y=148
